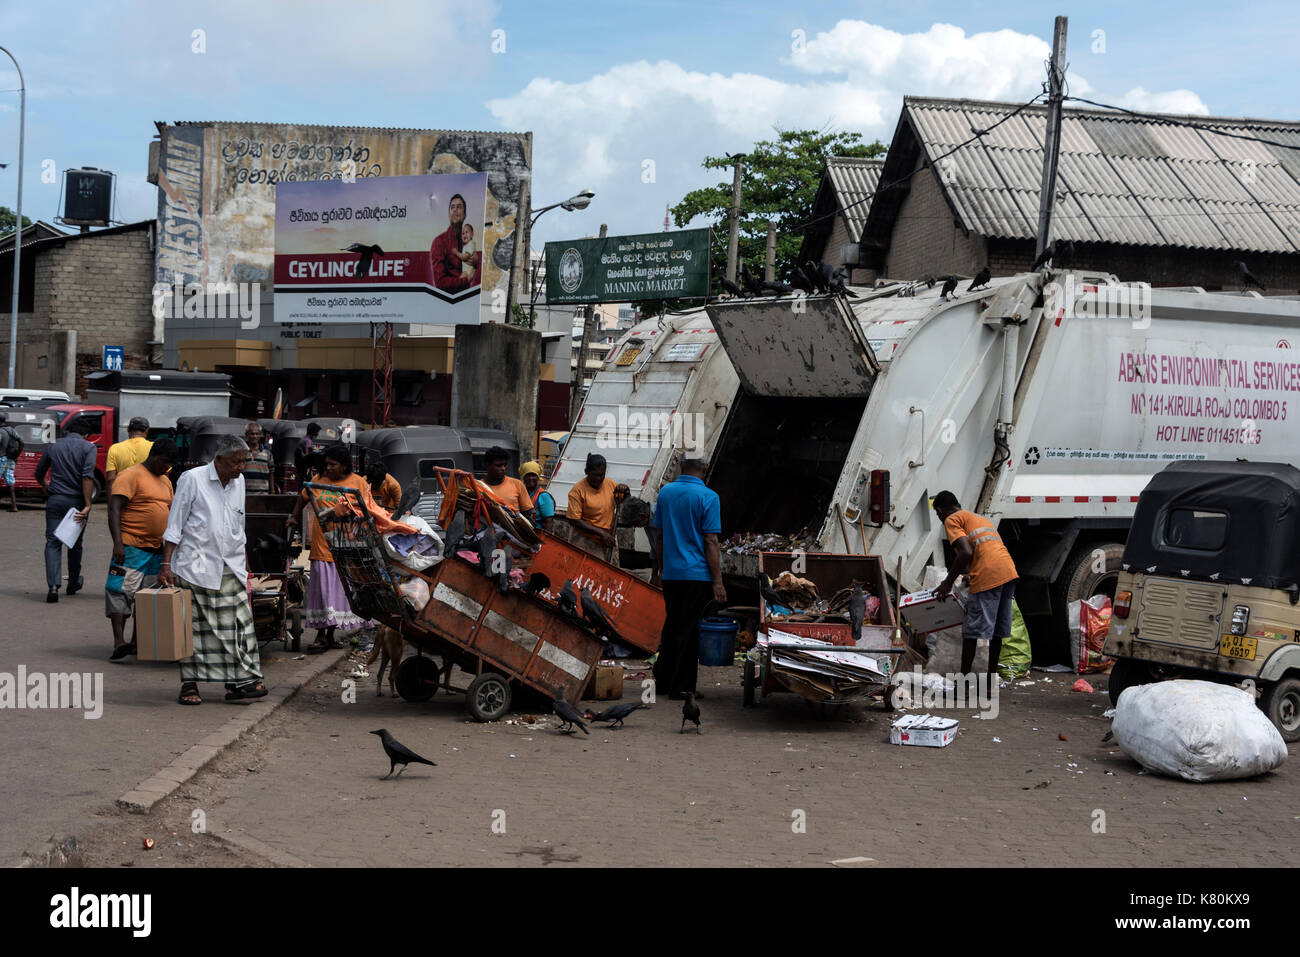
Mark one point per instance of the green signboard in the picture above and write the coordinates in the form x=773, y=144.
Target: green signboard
x=628, y=268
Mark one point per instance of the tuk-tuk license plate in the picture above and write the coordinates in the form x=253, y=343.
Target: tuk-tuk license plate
x=1238, y=646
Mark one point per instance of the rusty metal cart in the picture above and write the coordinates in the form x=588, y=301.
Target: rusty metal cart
x=278, y=587
x=503, y=640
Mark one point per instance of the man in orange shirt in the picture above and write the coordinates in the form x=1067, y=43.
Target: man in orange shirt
x=592, y=505
x=993, y=577
x=137, y=517
x=385, y=489
x=506, y=489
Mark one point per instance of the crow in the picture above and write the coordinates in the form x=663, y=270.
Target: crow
x=778, y=288
x=732, y=289
x=367, y=254
x=820, y=274
x=799, y=281
x=410, y=499
x=487, y=544
x=596, y=617
x=690, y=711
x=616, y=714
x=809, y=275
x=568, y=715
x=857, y=611
x=455, y=532
x=537, y=582
x=751, y=283
x=567, y=600
x=1058, y=253
x=981, y=279
x=949, y=287
x=765, y=589
x=837, y=284
x=1247, y=280
x=399, y=753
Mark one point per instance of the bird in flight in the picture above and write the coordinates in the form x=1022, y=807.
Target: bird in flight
x=398, y=753
x=368, y=253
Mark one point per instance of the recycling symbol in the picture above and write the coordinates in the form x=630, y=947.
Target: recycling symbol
x=1032, y=455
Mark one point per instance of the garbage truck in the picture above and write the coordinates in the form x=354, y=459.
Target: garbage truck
x=1045, y=401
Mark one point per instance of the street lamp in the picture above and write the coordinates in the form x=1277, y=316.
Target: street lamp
x=580, y=200
x=18, y=216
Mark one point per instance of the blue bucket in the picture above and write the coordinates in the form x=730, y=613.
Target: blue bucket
x=717, y=642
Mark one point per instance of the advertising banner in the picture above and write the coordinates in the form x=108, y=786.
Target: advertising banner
x=629, y=268
x=382, y=249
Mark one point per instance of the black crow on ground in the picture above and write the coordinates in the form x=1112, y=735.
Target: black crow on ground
x=568, y=715
x=690, y=711
x=949, y=287
x=981, y=279
x=398, y=753
x=617, y=713
x=368, y=253
x=765, y=589
x=1246, y=278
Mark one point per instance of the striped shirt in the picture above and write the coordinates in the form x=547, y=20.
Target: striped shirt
x=991, y=564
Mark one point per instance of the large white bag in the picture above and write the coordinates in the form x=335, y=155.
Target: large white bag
x=1196, y=730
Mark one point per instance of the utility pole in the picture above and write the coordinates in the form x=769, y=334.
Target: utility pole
x=18, y=218
x=769, y=260
x=575, y=398
x=1052, y=146
x=733, y=235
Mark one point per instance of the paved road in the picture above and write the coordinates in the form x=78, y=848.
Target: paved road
x=58, y=770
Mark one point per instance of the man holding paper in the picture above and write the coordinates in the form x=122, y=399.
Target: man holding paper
x=66, y=472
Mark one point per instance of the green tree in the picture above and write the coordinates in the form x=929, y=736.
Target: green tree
x=779, y=183
x=7, y=221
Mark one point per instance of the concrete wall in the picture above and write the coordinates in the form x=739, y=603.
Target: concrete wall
x=494, y=382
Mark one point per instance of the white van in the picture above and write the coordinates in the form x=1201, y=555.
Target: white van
x=20, y=397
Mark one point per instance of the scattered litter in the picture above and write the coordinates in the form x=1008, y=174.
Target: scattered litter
x=1055, y=669
x=1111, y=773
x=927, y=731
x=854, y=862
x=1025, y=684
x=1059, y=736
x=299, y=657
x=147, y=843
x=1108, y=713
x=360, y=673
x=997, y=740
x=512, y=755
x=1083, y=686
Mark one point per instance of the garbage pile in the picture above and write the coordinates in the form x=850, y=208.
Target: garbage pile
x=791, y=598
x=751, y=543
x=821, y=671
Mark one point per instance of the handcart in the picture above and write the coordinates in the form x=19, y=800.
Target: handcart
x=504, y=640
x=277, y=585
x=817, y=659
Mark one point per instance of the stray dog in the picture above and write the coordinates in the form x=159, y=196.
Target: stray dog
x=389, y=644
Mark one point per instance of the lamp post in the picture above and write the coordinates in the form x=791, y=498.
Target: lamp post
x=18, y=217
x=579, y=200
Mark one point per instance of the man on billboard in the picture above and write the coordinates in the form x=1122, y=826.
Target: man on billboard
x=450, y=256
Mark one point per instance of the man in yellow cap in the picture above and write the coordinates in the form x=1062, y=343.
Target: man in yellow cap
x=543, y=502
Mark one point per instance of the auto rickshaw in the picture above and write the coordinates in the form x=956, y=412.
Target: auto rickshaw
x=196, y=436
x=413, y=454
x=481, y=440
x=282, y=437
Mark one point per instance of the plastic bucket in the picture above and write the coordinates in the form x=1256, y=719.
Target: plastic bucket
x=717, y=642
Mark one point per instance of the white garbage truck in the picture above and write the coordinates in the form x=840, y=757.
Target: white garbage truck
x=1045, y=401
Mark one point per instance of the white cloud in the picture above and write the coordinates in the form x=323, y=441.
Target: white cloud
x=1171, y=101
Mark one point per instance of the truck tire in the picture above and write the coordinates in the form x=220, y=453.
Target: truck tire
x=1125, y=674
x=97, y=488
x=1078, y=581
x=1281, y=702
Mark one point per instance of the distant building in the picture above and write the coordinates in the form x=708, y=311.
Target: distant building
x=840, y=210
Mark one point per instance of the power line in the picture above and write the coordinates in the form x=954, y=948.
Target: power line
x=1162, y=118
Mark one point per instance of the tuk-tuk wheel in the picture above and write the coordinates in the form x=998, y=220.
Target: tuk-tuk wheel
x=749, y=682
x=488, y=697
x=1281, y=702
x=417, y=678
x=1126, y=673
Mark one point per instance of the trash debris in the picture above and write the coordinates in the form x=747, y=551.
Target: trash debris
x=1054, y=669
x=997, y=740
x=147, y=843
x=755, y=542
x=1061, y=737
x=924, y=730
x=1108, y=713
x=1083, y=686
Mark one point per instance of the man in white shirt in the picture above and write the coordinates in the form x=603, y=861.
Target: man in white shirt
x=203, y=551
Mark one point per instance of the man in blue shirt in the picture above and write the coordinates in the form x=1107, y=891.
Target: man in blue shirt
x=70, y=466
x=687, y=523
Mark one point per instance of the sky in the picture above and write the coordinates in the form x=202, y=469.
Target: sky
x=625, y=99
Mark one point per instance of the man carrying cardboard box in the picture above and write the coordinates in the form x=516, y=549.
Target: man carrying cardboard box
x=203, y=552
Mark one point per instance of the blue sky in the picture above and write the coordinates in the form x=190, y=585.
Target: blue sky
x=604, y=87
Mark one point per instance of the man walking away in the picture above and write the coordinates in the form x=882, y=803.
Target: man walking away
x=66, y=472
x=123, y=455
x=137, y=518
x=993, y=578
x=687, y=522
x=11, y=446
x=203, y=550
x=258, y=477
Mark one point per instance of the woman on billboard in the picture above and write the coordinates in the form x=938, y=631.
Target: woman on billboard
x=449, y=255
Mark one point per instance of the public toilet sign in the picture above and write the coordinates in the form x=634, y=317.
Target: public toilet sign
x=629, y=268
x=113, y=356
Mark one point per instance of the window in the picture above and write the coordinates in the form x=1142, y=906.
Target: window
x=427, y=466
x=345, y=389
x=1194, y=528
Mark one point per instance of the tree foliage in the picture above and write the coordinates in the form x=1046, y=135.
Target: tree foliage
x=7, y=221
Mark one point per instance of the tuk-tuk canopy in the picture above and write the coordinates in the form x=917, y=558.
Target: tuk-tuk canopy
x=413, y=452
x=199, y=433
x=1227, y=522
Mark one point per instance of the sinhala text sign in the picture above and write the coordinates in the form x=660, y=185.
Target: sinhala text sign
x=628, y=268
x=382, y=249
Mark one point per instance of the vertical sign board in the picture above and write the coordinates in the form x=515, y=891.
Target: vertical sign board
x=383, y=249
x=629, y=268
x=113, y=356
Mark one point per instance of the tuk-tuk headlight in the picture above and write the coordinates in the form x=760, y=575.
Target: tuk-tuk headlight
x=1240, y=616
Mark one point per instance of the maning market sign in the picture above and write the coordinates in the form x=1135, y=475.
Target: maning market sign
x=629, y=268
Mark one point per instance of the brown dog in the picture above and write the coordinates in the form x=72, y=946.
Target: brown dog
x=388, y=648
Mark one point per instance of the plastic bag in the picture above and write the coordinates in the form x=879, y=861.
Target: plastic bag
x=1196, y=730
x=416, y=552
x=1089, y=622
x=416, y=592
x=1016, y=654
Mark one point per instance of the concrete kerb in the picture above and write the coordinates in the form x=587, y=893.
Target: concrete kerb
x=142, y=798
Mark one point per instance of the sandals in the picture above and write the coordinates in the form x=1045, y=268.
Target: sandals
x=245, y=692
x=189, y=693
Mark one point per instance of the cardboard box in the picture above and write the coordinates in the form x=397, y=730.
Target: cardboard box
x=923, y=730
x=924, y=613
x=605, y=683
x=164, y=626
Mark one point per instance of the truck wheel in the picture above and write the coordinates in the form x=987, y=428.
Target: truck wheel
x=1281, y=702
x=1126, y=673
x=488, y=697
x=1079, y=580
x=97, y=488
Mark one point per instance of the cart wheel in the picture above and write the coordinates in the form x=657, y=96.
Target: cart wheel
x=295, y=628
x=488, y=697
x=749, y=681
x=417, y=678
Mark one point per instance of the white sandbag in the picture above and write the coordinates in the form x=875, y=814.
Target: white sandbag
x=414, y=560
x=1196, y=730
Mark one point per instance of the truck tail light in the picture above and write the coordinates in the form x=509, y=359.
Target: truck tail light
x=1123, y=601
x=878, y=509
x=1240, y=616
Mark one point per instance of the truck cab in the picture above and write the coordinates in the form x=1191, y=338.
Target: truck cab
x=101, y=434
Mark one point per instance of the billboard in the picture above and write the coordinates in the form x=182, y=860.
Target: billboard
x=629, y=268
x=406, y=249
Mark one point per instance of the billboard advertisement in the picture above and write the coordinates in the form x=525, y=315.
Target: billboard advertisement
x=403, y=249
x=629, y=268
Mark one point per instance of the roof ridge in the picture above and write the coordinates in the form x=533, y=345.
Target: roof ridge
x=1146, y=116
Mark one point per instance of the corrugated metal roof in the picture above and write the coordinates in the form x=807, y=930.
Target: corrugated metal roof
x=1121, y=179
x=854, y=180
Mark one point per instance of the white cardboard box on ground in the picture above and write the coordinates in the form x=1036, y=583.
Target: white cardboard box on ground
x=923, y=730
